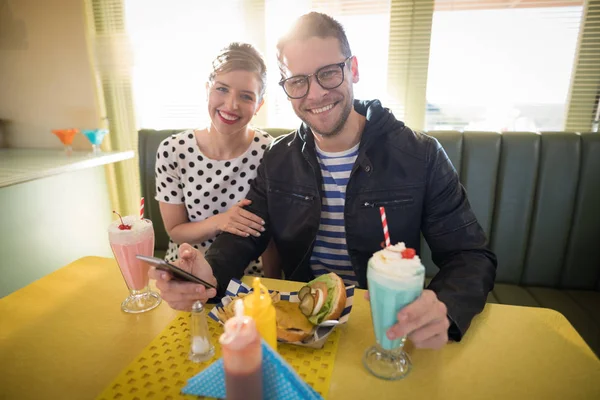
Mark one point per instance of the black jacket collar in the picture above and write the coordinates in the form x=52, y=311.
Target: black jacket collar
x=379, y=120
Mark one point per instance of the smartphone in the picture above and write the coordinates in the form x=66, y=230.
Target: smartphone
x=176, y=272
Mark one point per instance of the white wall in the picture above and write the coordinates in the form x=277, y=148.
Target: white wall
x=46, y=80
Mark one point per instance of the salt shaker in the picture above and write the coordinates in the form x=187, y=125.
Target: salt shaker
x=201, y=349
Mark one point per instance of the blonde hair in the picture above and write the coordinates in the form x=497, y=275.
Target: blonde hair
x=240, y=56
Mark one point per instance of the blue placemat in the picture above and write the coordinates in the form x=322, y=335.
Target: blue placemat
x=280, y=381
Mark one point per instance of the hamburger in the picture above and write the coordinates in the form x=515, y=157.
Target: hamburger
x=323, y=298
x=292, y=325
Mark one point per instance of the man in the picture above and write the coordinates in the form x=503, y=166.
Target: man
x=319, y=190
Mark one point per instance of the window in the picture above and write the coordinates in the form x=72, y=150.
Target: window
x=497, y=67
x=493, y=64
x=174, y=43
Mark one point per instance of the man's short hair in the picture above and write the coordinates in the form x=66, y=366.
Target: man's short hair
x=314, y=24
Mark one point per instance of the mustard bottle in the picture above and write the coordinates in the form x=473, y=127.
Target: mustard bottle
x=259, y=306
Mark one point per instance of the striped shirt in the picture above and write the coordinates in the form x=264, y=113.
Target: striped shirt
x=330, y=253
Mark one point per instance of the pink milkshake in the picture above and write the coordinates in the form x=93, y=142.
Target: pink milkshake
x=129, y=237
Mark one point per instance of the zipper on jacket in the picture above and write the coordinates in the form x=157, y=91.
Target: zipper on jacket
x=293, y=195
x=373, y=204
x=319, y=191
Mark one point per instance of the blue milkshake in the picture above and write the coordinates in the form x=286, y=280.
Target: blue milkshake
x=396, y=276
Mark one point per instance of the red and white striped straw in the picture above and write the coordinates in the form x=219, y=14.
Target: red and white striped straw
x=142, y=208
x=386, y=233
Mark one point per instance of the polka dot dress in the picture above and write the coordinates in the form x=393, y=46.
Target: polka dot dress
x=184, y=175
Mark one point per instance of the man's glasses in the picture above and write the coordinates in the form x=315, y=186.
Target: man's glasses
x=329, y=77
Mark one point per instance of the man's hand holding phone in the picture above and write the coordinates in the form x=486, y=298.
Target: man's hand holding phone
x=182, y=295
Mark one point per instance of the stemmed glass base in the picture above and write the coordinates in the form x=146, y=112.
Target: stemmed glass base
x=95, y=150
x=140, y=301
x=387, y=364
x=95, y=137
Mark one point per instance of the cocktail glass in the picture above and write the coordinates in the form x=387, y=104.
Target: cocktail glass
x=95, y=136
x=128, y=237
x=388, y=295
x=66, y=137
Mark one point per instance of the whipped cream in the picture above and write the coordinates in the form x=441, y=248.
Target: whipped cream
x=140, y=229
x=389, y=262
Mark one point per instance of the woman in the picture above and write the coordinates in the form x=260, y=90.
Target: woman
x=203, y=175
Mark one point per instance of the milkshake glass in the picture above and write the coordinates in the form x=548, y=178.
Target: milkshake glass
x=395, y=276
x=129, y=237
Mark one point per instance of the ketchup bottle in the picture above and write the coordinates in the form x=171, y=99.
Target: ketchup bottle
x=242, y=357
x=259, y=306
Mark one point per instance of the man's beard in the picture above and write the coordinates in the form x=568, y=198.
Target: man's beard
x=338, y=126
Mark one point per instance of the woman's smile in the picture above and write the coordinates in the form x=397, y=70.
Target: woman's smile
x=227, y=118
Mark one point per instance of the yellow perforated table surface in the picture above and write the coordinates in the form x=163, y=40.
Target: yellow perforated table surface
x=161, y=369
x=65, y=337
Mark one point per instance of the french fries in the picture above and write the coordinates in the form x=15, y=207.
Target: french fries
x=227, y=311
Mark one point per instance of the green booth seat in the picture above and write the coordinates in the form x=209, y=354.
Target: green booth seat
x=536, y=195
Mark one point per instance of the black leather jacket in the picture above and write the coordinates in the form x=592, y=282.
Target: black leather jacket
x=407, y=172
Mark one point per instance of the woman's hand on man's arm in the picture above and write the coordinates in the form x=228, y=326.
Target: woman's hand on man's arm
x=236, y=220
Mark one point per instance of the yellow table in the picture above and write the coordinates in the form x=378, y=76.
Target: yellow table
x=65, y=337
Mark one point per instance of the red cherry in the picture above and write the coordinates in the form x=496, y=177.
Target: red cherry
x=408, y=253
x=122, y=227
